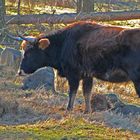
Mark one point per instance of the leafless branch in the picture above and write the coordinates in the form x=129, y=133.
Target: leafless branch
x=69, y=18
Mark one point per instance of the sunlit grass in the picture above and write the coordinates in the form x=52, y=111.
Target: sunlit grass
x=68, y=128
x=60, y=124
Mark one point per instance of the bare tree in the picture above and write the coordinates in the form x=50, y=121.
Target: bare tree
x=2, y=22
x=79, y=5
x=18, y=11
x=87, y=6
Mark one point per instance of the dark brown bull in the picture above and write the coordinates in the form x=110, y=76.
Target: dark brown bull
x=85, y=50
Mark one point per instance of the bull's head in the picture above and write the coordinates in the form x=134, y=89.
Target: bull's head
x=34, y=56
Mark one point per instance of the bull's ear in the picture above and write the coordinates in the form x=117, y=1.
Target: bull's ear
x=44, y=43
x=23, y=45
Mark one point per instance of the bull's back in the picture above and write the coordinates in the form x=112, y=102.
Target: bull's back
x=96, y=49
x=99, y=36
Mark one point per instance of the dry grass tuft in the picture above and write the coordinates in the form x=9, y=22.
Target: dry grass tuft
x=18, y=106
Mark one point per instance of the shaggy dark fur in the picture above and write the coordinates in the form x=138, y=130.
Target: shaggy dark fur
x=84, y=50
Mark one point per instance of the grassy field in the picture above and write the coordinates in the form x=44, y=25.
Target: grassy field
x=68, y=128
x=37, y=115
x=41, y=115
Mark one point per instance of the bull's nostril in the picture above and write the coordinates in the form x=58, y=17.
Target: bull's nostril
x=21, y=73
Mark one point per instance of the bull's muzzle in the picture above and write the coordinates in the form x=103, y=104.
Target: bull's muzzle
x=21, y=73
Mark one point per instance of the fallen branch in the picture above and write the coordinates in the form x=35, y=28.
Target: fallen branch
x=69, y=18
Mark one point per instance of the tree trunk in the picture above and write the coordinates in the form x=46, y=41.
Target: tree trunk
x=93, y=5
x=18, y=11
x=79, y=6
x=2, y=22
x=87, y=6
x=69, y=18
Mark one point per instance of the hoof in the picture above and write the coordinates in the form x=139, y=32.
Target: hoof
x=69, y=108
x=87, y=111
x=69, y=111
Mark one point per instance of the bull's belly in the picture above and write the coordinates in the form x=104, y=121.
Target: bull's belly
x=116, y=76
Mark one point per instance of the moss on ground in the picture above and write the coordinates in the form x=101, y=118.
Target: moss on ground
x=69, y=128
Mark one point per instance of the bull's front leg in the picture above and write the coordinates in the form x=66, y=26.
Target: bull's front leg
x=137, y=87
x=87, y=87
x=73, y=86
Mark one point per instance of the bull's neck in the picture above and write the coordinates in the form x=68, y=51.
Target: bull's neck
x=53, y=52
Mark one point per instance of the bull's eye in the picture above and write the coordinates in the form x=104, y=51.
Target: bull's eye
x=27, y=55
x=29, y=46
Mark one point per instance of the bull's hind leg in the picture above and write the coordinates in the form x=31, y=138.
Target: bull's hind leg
x=73, y=85
x=135, y=77
x=87, y=86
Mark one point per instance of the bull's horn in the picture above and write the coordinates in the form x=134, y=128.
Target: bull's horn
x=29, y=38
x=15, y=38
